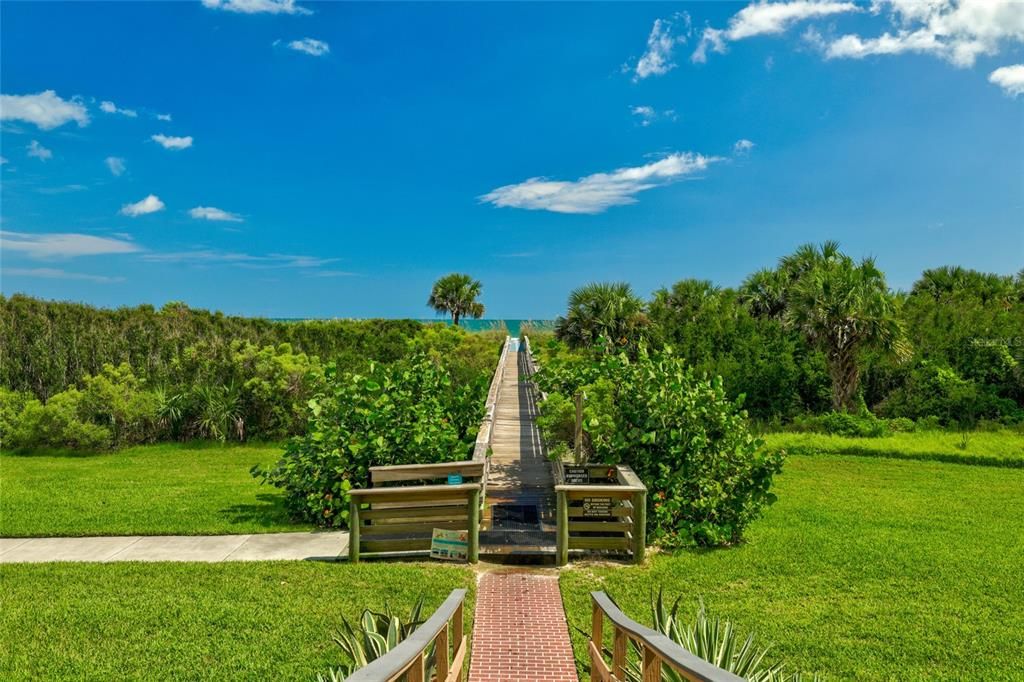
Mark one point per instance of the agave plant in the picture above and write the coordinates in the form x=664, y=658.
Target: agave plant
x=375, y=634
x=716, y=641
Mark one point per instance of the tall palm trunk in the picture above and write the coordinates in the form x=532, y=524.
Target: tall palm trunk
x=845, y=375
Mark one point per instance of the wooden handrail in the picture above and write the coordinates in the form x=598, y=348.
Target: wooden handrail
x=410, y=656
x=658, y=650
x=424, y=472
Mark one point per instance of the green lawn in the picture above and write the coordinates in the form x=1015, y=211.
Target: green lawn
x=1000, y=448
x=866, y=568
x=182, y=489
x=232, y=621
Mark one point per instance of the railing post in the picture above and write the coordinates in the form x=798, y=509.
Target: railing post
x=651, y=665
x=441, y=653
x=596, y=634
x=619, y=653
x=562, y=548
x=458, y=632
x=353, y=531
x=474, y=526
x=639, y=526
x=418, y=673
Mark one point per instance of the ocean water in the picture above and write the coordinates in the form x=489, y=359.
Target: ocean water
x=514, y=327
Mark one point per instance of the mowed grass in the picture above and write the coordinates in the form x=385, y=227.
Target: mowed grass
x=180, y=621
x=995, y=448
x=865, y=569
x=173, y=489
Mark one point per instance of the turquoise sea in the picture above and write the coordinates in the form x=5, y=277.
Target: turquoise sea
x=514, y=326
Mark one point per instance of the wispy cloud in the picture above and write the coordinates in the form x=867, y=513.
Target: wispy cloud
x=46, y=110
x=211, y=213
x=1009, y=78
x=743, y=147
x=3, y=161
x=598, y=192
x=257, y=6
x=63, y=189
x=111, y=108
x=115, y=164
x=39, y=151
x=765, y=18
x=311, y=46
x=151, y=204
x=63, y=245
x=55, y=273
x=171, y=142
x=648, y=114
x=163, y=117
x=958, y=32
x=661, y=43
x=209, y=256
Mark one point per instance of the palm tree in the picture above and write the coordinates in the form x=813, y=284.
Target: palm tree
x=609, y=310
x=456, y=295
x=844, y=308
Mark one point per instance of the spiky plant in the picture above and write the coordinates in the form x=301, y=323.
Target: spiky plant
x=375, y=634
x=716, y=641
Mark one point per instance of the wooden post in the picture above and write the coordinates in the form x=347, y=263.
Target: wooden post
x=474, y=526
x=639, y=526
x=441, y=653
x=596, y=635
x=652, y=666
x=619, y=654
x=353, y=531
x=562, y=545
x=418, y=672
x=578, y=438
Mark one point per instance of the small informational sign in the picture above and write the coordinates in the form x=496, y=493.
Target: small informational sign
x=597, y=506
x=576, y=475
x=449, y=545
x=454, y=479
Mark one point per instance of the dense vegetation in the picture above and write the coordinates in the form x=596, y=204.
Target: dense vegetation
x=822, y=332
x=88, y=378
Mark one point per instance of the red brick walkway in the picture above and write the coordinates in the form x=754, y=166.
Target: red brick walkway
x=519, y=631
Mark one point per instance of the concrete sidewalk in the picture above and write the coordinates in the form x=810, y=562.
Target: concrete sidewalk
x=209, y=548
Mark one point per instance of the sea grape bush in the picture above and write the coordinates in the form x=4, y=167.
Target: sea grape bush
x=408, y=412
x=707, y=475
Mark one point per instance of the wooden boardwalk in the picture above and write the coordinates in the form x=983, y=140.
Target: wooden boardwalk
x=519, y=461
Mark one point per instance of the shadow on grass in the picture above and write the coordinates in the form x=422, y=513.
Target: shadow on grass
x=268, y=512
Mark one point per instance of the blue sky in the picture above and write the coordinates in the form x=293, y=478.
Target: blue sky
x=292, y=159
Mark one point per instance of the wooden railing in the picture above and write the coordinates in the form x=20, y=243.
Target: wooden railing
x=485, y=435
x=600, y=515
x=401, y=518
x=657, y=651
x=445, y=629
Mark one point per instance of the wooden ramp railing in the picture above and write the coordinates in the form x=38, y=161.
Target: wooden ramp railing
x=401, y=518
x=608, y=512
x=445, y=630
x=657, y=651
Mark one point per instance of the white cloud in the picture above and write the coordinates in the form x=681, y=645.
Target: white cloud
x=39, y=151
x=743, y=147
x=63, y=245
x=661, y=42
x=257, y=6
x=170, y=142
x=163, y=117
x=115, y=164
x=151, y=204
x=648, y=114
x=956, y=31
x=246, y=260
x=55, y=273
x=1009, y=78
x=766, y=18
x=211, y=213
x=600, y=191
x=111, y=108
x=62, y=189
x=45, y=109
x=317, y=48
x=3, y=161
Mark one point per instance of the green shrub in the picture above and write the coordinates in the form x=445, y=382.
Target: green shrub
x=707, y=475
x=57, y=424
x=404, y=413
x=116, y=399
x=901, y=425
x=862, y=425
